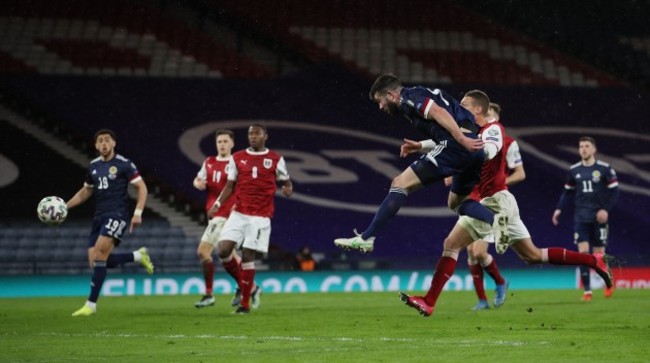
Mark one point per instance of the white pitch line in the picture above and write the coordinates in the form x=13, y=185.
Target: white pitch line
x=465, y=342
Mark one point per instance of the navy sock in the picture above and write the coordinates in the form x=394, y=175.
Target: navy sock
x=476, y=210
x=118, y=259
x=99, y=275
x=584, y=277
x=388, y=208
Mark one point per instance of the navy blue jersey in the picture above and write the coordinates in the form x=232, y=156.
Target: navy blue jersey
x=415, y=102
x=595, y=188
x=110, y=180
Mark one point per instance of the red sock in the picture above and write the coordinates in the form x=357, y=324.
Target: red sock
x=444, y=270
x=246, y=283
x=208, y=275
x=561, y=256
x=232, y=267
x=493, y=271
x=477, y=277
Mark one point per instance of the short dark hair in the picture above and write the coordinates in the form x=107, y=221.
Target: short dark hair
x=481, y=98
x=589, y=139
x=261, y=127
x=495, y=107
x=225, y=132
x=385, y=82
x=104, y=132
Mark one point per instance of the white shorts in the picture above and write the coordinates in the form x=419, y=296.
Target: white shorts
x=213, y=231
x=500, y=202
x=246, y=231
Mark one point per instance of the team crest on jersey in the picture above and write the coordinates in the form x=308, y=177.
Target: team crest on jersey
x=267, y=163
x=595, y=176
x=492, y=132
x=112, y=172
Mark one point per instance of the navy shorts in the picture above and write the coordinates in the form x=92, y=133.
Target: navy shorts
x=463, y=166
x=110, y=225
x=594, y=233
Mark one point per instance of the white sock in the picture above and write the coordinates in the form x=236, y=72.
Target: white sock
x=137, y=256
x=92, y=305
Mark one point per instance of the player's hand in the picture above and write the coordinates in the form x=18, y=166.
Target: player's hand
x=471, y=144
x=136, y=221
x=602, y=216
x=213, y=209
x=448, y=181
x=409, y=147
x=200, y=184
x=287, y=191
x=556, y=217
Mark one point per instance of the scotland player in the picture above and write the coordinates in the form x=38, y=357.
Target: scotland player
x=108, y=178
x=595, y=186
x=495, y=195
x=456, y=151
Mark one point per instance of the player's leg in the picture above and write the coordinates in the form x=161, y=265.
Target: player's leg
x=583, y=234
x=258, y=233
x=462, y=184
x=601, y=236
x=476, y=271
x=101, y=251
x=204, y=251
x=141, y=255
x=403, y=184
x=458, y=239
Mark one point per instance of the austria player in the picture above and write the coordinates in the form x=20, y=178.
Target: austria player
x=108, y=179
x=594, y=185
x=495, y=195
x=254, y=173
x=212, y=178
x=457, y=153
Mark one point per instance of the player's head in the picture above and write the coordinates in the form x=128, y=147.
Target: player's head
x=587, y=147
x=477, y=102
x=257, y=136
x=494, y=112
x=225, y=140
x=385, y=91
x=105, y=142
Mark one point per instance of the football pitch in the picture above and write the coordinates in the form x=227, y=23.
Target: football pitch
x=533, y=326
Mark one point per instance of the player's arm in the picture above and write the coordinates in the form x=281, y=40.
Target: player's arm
x=81, y=196
x=142, y=193
x=517, y=175
x=412, y=146
x=225, y=194
x=567, y=195
x=444, y=119
x=282, y=175
x=602, y=216
x=493, y=141
x=200, y=180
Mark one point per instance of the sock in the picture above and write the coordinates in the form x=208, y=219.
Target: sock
x=388, y=208
x=232, y=266
x=477, y=276
x=99, y=275
x=476, y=210
x=119, y=259
x=584, y=277
x=561, y=256
x=246, y=283
x=443, y=272
x=492, y=270
x=208, y=275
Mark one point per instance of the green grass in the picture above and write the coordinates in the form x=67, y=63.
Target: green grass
x=533, y=326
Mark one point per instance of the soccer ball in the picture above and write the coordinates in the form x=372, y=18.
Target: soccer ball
x=52, y=210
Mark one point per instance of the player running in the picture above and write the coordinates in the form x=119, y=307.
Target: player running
x=496, y=196
x=255, y=172
x=108, y=179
